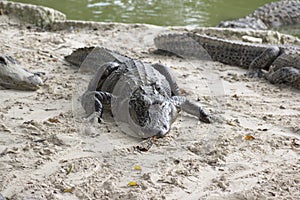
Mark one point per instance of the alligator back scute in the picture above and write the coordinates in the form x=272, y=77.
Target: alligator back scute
x=271, y=15
x=277, y=14
x=226, y=51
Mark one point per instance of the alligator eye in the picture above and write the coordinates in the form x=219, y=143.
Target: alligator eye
x=165, y=127
x=158, y=88
x=156, y=102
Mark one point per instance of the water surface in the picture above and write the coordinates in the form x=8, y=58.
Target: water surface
x=158, y=12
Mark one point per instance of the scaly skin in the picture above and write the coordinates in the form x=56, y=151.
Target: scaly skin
x=143, y=98
x=13, y=76
x=272, y=15
x=254, y=57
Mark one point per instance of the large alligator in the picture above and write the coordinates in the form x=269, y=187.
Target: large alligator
x=143, y=98
x=272, y=15
x=14, y=76
x=284, y=59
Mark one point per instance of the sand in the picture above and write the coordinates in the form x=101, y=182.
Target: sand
x=46, y=152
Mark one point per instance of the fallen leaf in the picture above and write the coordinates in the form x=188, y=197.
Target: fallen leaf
x=137, y=167
x=132, y=183
x=53, y=120
x=68, y=190
x=249, y=137
x=69, y=169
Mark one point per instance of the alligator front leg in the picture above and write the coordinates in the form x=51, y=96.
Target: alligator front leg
x=288, y=75
x=93, y=101
x=263, y=61
x=181, y=101
x=191, y=108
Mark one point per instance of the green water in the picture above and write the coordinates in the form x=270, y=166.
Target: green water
x=158, y=12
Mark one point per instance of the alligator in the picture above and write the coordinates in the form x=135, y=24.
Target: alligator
x=14, y=76
x=272, y=15
x=143, y=98
x=258, y=58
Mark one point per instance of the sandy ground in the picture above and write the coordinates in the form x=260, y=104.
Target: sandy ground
x=45, y=153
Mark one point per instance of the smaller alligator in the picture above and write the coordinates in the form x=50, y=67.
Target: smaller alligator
x=143, y=98
x=272, y=15
x=284, y=59
x=13, y=76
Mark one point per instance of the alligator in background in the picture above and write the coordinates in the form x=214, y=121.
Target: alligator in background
x=143, y=98
x=272, y=15
x=13, y=76
x=284, y=59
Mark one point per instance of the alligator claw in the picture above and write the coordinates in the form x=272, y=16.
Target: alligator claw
x=39, y=73
x=255, y=74
x=204, y=117
x=207, y=120
x=99, y=120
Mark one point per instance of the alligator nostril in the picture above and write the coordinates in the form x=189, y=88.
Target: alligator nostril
x=160, y=134
x=165, y=127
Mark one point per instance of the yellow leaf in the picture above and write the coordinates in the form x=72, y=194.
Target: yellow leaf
x=68, y=190
x=132, y=183
x=137, y=167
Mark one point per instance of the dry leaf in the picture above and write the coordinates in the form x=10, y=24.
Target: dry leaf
x=69, y=169
x=249, y=137
x=68, y=190
x=53, y=120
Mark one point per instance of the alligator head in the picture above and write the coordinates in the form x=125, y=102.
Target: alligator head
x=13, y=76
x=246, y=22
x=152, y=110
